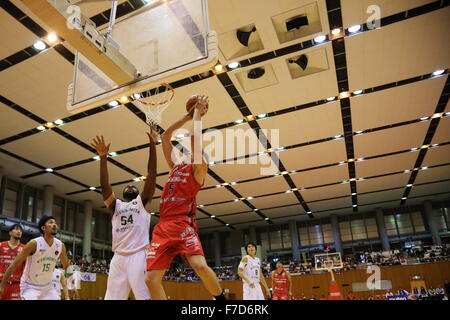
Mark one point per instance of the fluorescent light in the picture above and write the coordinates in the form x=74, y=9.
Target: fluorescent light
x=414, y=149
x=211, y=163
x=52, y=37
x=96, y=158
x=447, y=113
x=124, y=99
x=233, y=65
x=225, y=184
x=407, y=171
x=113, y=103
x=288, y=191
x=435, y=145
x=249, y=198
x=280, y=149
x=233, y=183
x=250, y=118
x=39, y=45
x=136, y=96
x=113, y=154
x=294, y=189
x=49, y=170
x=355, y=205
x=338, y=137
x=266, y=219
x=255, y=209
x=200, y=205
x=218, y=186
x=409, y=185
x=344, y=94
x=360, y=159
x=227, y=224
x=437, y=115
x=355, y=28
x=236, y=200
x=404, y=198
x=218, y=67
x=336, y=31
x=320, y=39
x=359, y=132
x=58, y=122
x=212, y=217
x=352, y=179
x=342, y=162
x=438, y=72
x=350, y=160
x=261, y=116
x=92, y=188
x=357, y=92
x=424, y=168
x=424, y=118
x=309, y=212
x=136, y=179
x=180, y=136
x=152, y=213
x=239, y=121
x=41, y=128
x=354, y=194
x=269, y=150
x=331, y=98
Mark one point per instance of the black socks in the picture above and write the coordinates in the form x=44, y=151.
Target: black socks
x=220, y=297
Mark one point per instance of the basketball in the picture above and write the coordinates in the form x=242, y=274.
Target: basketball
x=190, y=104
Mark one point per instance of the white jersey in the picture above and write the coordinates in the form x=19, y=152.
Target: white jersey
x=252, y=269
x=130, y=227
x=39, y=266
x=57, y=275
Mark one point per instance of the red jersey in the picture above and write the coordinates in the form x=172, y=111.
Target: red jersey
x=180, y=190
x=280, y=283
x=7, y=256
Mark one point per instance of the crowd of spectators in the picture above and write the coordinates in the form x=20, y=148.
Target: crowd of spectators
x=181, y=273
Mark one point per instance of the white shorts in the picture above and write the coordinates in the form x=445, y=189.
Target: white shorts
x=31, y=292
x=125, y=273
x=253, y=293
x=72, y=283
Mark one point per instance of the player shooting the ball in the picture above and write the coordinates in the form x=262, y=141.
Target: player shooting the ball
x=176, y=232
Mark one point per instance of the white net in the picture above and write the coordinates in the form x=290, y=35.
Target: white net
x=153, y=102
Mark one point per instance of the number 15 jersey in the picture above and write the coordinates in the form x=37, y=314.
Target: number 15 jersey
x=130, y=227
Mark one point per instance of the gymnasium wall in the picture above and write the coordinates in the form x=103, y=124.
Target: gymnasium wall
x=434, y=274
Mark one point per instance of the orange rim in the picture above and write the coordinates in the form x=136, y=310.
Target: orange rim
x=172, y=92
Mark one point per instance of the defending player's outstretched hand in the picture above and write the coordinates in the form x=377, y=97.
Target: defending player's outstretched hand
x=99, y=144
x=153, y=135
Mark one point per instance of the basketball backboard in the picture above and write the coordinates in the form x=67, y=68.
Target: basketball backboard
x=322, y=261
x=159, y=41
x=164, y=41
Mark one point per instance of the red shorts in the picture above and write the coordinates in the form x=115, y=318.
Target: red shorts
x=169, y=239
x=280, y=296
x=11, y=291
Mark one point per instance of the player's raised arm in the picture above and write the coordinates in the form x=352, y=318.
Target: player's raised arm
x=167, y=135
x=200, y=166
x=102, y=149
x=150, y=181
x=28, y=250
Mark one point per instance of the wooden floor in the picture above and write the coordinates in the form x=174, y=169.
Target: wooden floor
x=434, y=274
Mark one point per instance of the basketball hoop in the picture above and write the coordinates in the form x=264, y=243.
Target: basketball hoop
x=153, y=102
x=329, y=265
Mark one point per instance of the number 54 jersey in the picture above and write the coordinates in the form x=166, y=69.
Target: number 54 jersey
x=130, y=227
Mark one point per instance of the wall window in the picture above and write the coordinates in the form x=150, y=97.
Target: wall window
x=286, y=237
x=358, y=229
x=29, y=203
x=372, y=229
x=404, y=223
x=275, y=240
x=345, y=230
x=39, y=205
x=315, y=234
x=418, y=222
x=79, y=220
x=439, y=220
x=263, y=238
x=70, y=216
x=389, y=222
x=10, y=200
x=303, y=234
x=327, y=233
x=58, y=210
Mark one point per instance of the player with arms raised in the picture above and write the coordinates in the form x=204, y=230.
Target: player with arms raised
x=176, y=232
x=130, y=227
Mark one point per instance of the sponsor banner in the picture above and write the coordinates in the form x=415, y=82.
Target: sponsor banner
x=87, y=276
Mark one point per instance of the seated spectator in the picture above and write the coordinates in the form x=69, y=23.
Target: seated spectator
x=402, y=291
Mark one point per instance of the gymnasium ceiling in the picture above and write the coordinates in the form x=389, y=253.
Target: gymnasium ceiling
x=382, y=129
